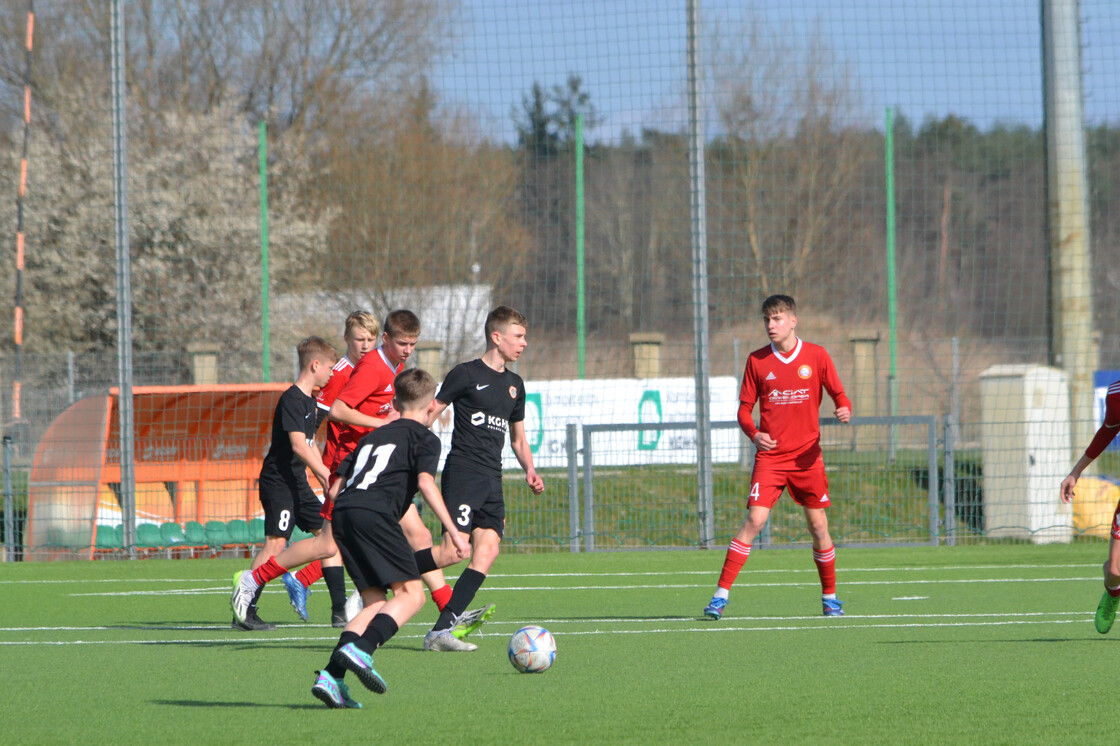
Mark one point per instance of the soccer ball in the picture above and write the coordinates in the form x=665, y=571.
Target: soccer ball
x=532, y=649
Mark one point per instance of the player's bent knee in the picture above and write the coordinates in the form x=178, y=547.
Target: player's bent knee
x=326, y=547
x=418, y=536
x=411, y=595
x=485, y=553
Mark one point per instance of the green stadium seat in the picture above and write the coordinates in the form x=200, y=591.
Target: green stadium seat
x=237, y=532
x=298, y=534
x=56, y=536
x=216, y=534
x=195, y=534
x=256, y=531
x=109, y=537
x=172, y=534
x=148, y=536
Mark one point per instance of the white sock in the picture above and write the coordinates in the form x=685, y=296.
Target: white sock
x=248, y=579
x=722, y=593
x=828, y=596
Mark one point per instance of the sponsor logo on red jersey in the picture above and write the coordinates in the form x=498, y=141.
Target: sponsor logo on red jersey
x=788, y=396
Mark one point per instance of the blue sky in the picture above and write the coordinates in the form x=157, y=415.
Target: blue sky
x=978, y=59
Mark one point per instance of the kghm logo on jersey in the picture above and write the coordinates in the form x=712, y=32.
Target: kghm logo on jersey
x=804, y=371
x=491, y=422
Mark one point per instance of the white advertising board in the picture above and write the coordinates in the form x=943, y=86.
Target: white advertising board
x=551, y=405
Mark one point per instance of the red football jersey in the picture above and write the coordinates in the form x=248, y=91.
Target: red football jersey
x=789, y=389
x=1111, y=424
x=340, y=374
x=370, y=391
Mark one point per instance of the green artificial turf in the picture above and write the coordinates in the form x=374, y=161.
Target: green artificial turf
x=978, y=644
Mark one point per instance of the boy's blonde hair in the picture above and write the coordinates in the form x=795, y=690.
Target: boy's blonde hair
x=414, y=387
x=315, y=348
x=362, y=320
x=500, y=318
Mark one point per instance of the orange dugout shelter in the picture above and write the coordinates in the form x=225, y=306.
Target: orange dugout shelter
x=198, y=452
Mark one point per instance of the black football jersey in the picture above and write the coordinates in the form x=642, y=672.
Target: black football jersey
x=485, y=402
x=381, y=473
x=295, y=412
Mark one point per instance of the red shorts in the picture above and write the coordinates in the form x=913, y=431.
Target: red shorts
x=807, y=487
x=1116, y=523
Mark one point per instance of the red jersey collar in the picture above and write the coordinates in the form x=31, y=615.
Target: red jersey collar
x=385, y=359
x=787, y=359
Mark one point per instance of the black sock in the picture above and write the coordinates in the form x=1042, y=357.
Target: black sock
x=379, y=631
x=253, y=606
x=337, y=670
x=465, y=587
x=335, y=578
x=425, y=562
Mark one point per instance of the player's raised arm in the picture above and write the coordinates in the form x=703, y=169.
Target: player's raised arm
x=1105, y=434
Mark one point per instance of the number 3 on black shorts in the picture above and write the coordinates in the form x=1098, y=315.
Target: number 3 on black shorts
x=464, y=517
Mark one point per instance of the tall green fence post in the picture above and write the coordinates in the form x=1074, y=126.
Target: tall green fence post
x=262, y=149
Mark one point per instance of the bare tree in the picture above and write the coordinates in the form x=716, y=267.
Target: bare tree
x=637, y=219
x=417, y=203
x=788, y=116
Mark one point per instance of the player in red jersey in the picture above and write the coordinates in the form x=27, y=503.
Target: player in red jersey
x=787, y=378
x=1106, y=609
x=360, y=333
x=367, y=403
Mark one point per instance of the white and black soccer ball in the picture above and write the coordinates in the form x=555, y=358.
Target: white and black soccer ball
x=532, y=649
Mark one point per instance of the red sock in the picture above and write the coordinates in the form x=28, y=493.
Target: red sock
x=270, y=570
x=826, y=568
x=310, y=574
x=1114, y=592
x=442, y=595
x=737, y=554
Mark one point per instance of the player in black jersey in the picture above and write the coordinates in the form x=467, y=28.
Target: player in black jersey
x=377, y=483
x=285, y=495
x=489, y=403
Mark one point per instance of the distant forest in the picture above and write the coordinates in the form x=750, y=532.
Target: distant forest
x=378, y=185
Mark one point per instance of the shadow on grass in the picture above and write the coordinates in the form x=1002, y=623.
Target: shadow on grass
x=207, y=704
x=958, y=641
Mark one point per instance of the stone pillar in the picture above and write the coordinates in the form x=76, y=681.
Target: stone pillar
x=647, y=353
x=429, y=355
x=863, y=389
x=204, y=362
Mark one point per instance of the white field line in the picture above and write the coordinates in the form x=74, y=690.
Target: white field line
x=854, y=623
x=584, y=620
x=712, y=572
x=638, y=587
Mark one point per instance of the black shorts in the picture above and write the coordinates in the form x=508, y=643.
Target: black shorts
x=474, y=499
x=373, y=548
x=289, y=504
